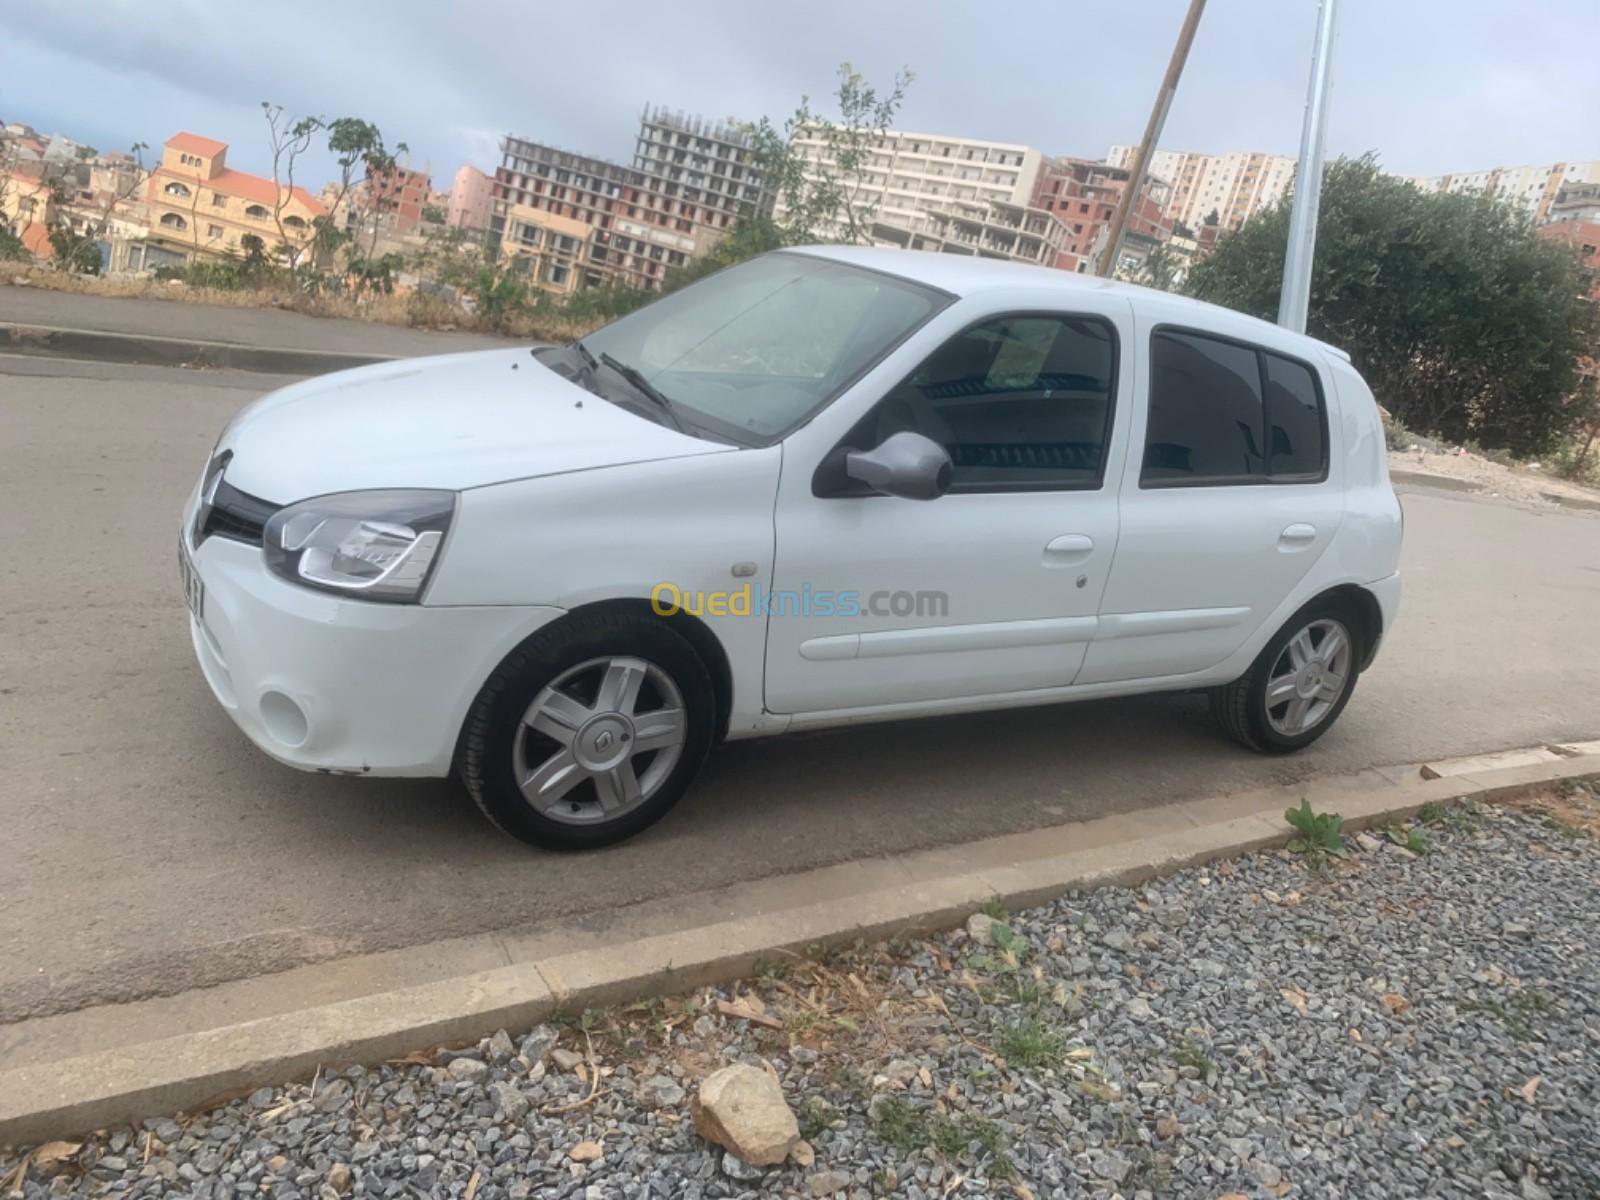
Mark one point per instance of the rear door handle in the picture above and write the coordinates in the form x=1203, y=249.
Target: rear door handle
x=1297, y=536
x=1068, y=549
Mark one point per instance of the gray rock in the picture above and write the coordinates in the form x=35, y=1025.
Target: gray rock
x=659, y=1091
x=826, y=1183
x=735, y=1167
x=536, y=1045
x=980, y=928
x=500, y=1048
x=564, y=1059
x=467, y=1070
x=1112, y=1166
x=510, y=1103
x=1117, y=939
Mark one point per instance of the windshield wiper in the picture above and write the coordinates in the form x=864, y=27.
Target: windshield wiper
x=639, y=384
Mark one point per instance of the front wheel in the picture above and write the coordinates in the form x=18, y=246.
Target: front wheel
x=1299, y=683
x=589, y=732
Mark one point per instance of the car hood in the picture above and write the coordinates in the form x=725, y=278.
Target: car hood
x=452, y=421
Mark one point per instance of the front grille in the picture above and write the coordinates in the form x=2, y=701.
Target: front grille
x=236, y=515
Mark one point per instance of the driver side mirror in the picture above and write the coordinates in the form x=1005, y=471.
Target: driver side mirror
x=904, y=464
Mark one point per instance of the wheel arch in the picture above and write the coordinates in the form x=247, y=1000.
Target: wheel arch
x=1364, y=605
x=692, y=629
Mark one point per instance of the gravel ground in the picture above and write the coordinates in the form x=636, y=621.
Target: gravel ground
x=1384, y=1025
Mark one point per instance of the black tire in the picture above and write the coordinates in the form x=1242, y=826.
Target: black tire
x=1240, y=708
x=495, y=722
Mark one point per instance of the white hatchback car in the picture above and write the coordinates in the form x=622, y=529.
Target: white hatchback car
x=821, y=487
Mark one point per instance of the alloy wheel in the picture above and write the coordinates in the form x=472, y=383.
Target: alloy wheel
x=1308, y=677
x=599, y=740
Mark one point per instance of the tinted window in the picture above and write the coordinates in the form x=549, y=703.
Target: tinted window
x=1294, y=419
x=1205, y=411
x=1018, y=402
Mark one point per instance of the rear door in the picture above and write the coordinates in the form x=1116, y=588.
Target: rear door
x=1231, y=493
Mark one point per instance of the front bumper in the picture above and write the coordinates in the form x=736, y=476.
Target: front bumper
x=328, y=684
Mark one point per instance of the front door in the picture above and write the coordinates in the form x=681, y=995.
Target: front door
x=1235, y=496
x=992, y=588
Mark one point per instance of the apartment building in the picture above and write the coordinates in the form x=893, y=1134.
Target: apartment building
x=1232, y=187
x=913, y=178
x=1084, y=195
x=689, y=181
x=990, y=229
x=553, y=250
x=471, y=199
x=638, y=234
x=199, y=205
x=398, y=196
x=708, y=169
x=1532, y=189
x=1574, y=218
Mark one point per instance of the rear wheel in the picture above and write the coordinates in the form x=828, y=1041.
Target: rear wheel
x=1299, y=683
x=590, y=732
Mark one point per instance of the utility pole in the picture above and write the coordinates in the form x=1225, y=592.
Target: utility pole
x=1152, y=134
x=1295, y=299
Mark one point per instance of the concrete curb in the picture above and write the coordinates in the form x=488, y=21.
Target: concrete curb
x=921, y=893
x=148, y=350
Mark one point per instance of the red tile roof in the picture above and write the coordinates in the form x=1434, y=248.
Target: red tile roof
x=244, y=185
x=195, y=144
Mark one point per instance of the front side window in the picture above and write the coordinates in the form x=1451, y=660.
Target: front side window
x=754, y=350
x=1019, y=403
x=1223, y=412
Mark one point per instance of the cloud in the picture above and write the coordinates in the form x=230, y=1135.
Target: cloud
x=1431, y=85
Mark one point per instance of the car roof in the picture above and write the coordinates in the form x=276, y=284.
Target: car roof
x=970, y=275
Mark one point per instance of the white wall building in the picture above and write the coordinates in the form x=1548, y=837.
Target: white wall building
x=1532, y=189
x=915, y=175
x=1234, y=186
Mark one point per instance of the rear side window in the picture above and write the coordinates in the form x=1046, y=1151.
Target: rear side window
x=1224, y=412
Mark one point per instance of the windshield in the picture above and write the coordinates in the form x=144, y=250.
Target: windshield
x=756, y=349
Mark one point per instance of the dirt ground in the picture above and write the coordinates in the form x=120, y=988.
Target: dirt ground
x=1524, y=482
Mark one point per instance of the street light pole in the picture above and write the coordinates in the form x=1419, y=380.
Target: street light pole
x=1152, y=134
x=1295, y=298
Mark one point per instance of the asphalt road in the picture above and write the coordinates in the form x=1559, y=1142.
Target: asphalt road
x=146, y=847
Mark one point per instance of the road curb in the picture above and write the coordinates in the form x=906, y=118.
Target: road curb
x=912, y=894
x=150, y=350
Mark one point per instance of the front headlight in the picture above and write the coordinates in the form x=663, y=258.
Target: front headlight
x=378, y=545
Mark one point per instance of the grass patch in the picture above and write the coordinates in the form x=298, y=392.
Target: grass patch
x=1519, y=1014
x=994, y=908
x=1031, y=1043
x=1461, y=817
x=907, y=1129
x=1407, y=837
x=816, y=1116
x=1191, y=1055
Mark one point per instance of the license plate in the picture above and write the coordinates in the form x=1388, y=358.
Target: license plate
x=194, y=591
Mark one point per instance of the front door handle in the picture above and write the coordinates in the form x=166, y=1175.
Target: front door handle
x=1297, y=536
x=1068, y=549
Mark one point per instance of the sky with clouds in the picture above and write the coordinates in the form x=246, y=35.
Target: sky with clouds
x=1430, y=85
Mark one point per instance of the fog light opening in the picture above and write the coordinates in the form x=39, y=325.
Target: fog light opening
x=285, y=720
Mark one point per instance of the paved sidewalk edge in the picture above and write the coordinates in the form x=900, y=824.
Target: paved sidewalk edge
x=55, y=1099
x=151, y=350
